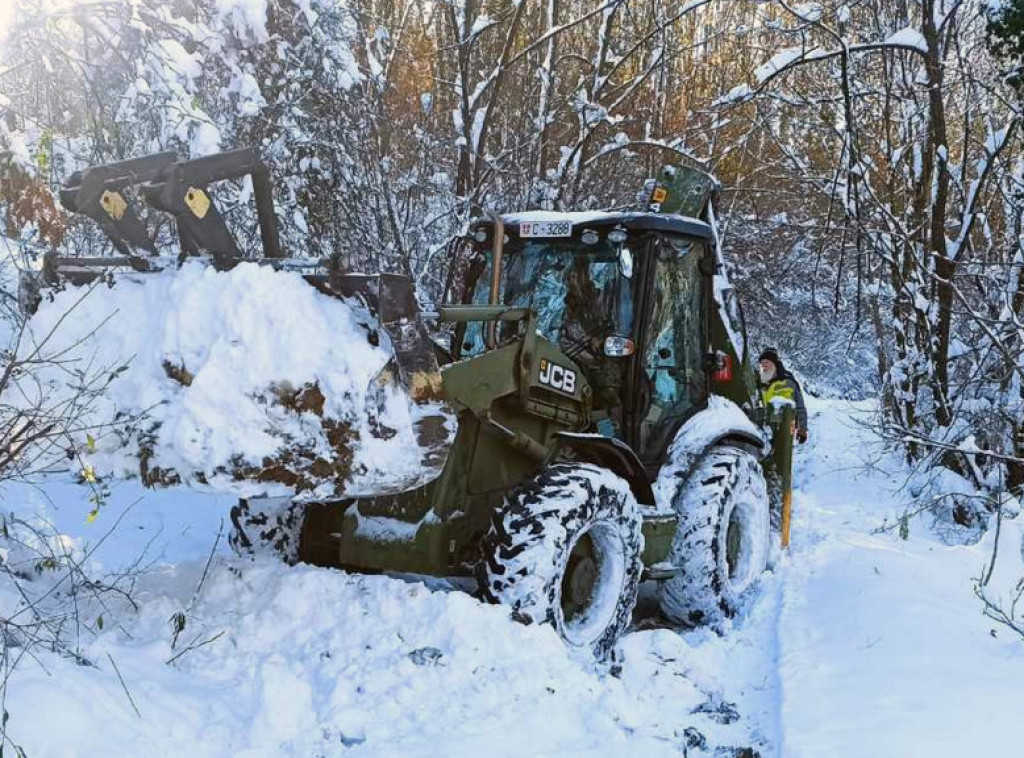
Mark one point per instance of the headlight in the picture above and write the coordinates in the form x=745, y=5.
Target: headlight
x=619, y=347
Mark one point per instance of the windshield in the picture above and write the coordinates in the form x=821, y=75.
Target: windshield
x=582, y=294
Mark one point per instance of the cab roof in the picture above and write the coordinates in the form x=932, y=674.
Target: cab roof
x=632, y=221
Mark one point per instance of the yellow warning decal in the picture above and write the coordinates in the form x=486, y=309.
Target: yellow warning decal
x=197, y=201
x=659, y=195
x=113, y=204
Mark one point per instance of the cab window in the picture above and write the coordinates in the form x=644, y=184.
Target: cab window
x=673, y=350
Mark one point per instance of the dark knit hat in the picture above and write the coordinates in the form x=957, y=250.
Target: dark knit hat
x=770, y=354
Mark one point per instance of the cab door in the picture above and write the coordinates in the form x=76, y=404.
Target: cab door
x=672, y=379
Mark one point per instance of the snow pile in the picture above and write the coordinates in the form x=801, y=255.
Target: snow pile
x=246, y=18
x=248, y=379
x=316, y=662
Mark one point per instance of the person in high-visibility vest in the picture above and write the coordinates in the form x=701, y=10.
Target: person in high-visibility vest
x=776, y=383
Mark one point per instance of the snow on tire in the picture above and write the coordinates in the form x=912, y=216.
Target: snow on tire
x=565, y=549
x=267, y=526
x=722, y=541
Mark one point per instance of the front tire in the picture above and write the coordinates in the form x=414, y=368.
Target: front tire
x=565, y=549
x=267, y=526
x=722, y=540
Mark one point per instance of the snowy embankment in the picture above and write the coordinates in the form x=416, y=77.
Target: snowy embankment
x=249, y=380
x=860, y=644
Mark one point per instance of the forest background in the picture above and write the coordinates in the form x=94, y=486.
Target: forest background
x=869, y=155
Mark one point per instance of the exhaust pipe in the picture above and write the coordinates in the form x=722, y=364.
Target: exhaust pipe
x=499, y=248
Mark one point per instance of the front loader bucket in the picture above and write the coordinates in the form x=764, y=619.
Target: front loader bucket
x=392, y=298
x=356, y=451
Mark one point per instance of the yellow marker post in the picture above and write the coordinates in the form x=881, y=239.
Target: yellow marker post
x=787, y=514
x=783, y=455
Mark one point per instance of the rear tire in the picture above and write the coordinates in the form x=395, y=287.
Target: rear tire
x=722, y=541
x=565, y=549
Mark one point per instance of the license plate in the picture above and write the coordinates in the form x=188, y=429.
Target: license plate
x=545, y=229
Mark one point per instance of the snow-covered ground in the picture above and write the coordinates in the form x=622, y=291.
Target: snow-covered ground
x=882, y=646
x=860, y=644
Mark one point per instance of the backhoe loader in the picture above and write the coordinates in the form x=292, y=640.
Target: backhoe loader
x=608, y=425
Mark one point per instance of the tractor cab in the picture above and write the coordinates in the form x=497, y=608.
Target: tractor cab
x=624, y=296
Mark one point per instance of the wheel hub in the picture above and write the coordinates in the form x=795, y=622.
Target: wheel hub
x=733, y=543
x=581, y=583
x=581, y=574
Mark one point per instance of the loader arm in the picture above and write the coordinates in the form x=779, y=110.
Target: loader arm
x=99, y=193
x=180, y=188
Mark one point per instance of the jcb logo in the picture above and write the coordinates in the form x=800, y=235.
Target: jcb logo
x=558, y=377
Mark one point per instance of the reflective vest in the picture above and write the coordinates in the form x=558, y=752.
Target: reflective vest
x=778, y=389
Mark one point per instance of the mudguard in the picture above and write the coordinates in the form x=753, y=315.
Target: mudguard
x=722, y=422
x=610, y=453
